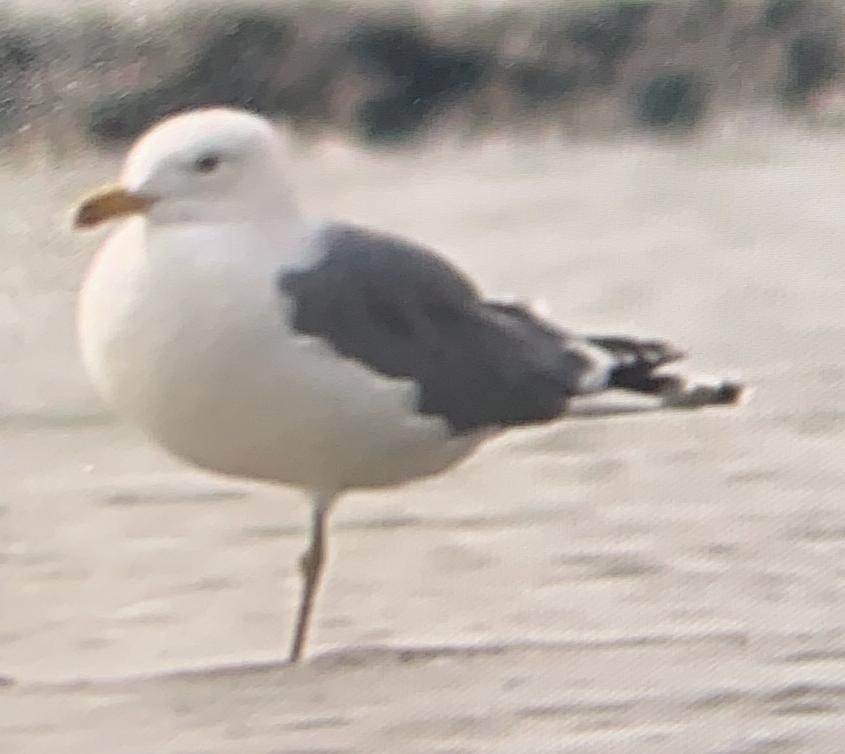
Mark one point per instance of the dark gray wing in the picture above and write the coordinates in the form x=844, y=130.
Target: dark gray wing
x=405, y=312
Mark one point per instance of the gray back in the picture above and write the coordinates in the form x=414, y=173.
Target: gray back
x=403, y=311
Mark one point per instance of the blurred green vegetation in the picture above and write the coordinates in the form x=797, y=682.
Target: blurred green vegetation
x=386, y=76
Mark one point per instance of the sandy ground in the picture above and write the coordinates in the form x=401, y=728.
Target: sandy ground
x=652, y=583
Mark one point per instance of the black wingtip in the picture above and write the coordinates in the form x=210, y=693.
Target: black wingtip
x=730, y=393
x=639, y=354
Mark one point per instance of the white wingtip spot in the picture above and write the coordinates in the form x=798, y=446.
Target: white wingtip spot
x=540, y=307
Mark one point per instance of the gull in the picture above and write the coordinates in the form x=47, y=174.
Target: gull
x=252, y=341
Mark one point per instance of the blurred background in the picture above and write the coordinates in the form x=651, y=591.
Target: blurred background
x=671, y=583
x=391, y=73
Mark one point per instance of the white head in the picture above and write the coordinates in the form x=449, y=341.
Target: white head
x=201, y=166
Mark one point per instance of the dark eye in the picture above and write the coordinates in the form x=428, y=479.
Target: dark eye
x=208, y=163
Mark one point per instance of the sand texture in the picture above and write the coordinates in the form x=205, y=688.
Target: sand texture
x=650, y=583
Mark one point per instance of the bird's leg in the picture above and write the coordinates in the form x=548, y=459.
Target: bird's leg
x=311, y=566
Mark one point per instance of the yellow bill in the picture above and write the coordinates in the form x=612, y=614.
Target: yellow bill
x=109, y=203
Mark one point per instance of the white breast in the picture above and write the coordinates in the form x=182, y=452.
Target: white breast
x=191, y=342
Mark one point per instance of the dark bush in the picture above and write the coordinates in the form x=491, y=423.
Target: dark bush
x=672, y=100
x=387, y=77
x=421, y=78
x=20, y=55
x=701, y=18
x=238, y=66
x=610, y=33
x=241, y=59
x=99, y=40
x=399, y=50
x=813, y=59
x=393, y=118
x=778, y=13
x=125, y=116
x=18, y=52
x=412, y=62
x=536, y=86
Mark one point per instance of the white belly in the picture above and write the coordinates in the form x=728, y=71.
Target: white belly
x=195, y=350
